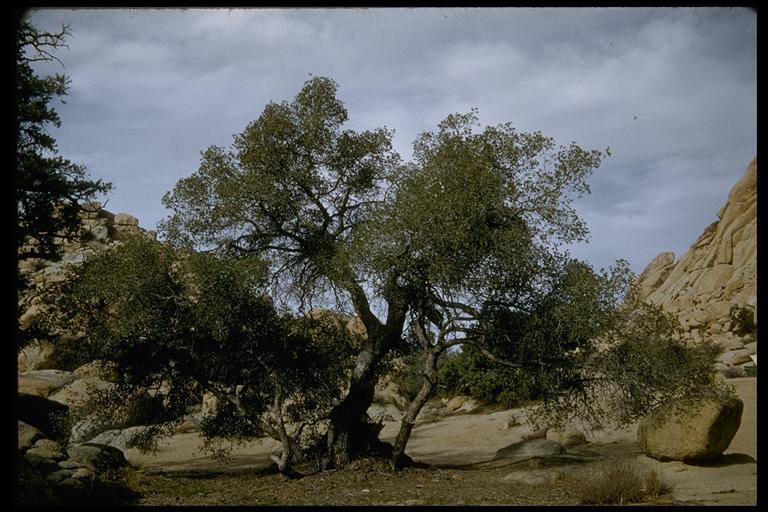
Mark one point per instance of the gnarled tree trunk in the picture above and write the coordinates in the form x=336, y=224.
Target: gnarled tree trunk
x=350, y=434
x=409, y=419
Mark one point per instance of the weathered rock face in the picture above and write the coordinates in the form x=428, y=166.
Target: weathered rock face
x=695, y=430
x=718, y=272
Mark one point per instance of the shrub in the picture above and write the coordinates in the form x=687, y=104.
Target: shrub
x=470, y=373
x=655, y=485
x=743, y=320
x=617, y=483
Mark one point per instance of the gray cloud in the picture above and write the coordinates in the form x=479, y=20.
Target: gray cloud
x=671, y=91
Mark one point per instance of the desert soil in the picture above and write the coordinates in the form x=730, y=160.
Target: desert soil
x=458, y=450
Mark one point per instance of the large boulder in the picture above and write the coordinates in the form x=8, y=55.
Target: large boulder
x=44, y=382
x=690, y=430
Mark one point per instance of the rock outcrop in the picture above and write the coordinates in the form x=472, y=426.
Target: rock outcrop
x=716, y=275
x=692, y=430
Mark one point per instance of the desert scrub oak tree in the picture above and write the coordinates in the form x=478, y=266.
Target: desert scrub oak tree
x=340, y=219
x=173, y=325
x=462, y=246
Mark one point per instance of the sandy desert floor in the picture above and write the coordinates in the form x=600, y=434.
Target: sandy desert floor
x=457, y=441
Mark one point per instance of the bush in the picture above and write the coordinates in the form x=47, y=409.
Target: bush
x=470, y=373
x=617, y=483
x=743, y=320
x=655, y=485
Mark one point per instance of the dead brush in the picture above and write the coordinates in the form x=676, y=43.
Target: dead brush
x=615, y=483
x=656, y=485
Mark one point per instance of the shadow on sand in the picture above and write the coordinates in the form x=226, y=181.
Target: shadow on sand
x=730, y=459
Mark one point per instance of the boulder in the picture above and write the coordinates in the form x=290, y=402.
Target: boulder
x=380, y=412
x=117, y=438
x=44, y=382
x=28, y=436
x=470, y=406
x=124, y=219
x=38, y=356
x=79, y=390
x=98, y=456
x=48, y=449
x=690, y=430
x=456, y=402
x=529, y=449
x=567, y=437
x=735, y=357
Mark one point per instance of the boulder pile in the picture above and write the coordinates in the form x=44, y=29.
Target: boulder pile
x=715, y=279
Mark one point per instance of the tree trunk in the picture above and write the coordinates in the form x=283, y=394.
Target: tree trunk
x=409, y=419
x=349, y=432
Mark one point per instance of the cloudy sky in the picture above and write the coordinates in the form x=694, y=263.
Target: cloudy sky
x=671, y=91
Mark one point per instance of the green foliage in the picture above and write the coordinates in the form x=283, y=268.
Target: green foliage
x=636, y=365
x=470, y=373
x=176, y=324
x=292, y=189
x=743, y=320
x=49, y=188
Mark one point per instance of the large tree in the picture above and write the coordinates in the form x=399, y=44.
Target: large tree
x=461, y=246
x=49, y=188
x=474, y=221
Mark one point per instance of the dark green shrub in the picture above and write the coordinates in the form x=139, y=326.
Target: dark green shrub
x=743, y=320
x=470, y=373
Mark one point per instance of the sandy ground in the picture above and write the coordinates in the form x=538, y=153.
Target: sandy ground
x=475, y=438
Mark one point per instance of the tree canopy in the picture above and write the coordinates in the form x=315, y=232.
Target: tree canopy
x=49, y=188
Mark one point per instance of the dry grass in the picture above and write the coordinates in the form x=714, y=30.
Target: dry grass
x=615, y=483
x=618, y=482
x=655, y=485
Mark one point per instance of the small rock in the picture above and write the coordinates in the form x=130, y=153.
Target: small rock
x=98, y=456
x=28, y=436
x=48, y=449
x=58, y=476
x=71, y=464
x=567, y=437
